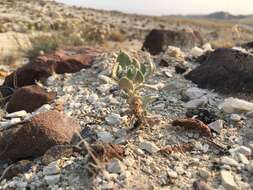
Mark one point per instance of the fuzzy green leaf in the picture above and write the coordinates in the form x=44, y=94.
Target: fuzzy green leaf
x=126, y=84
x=131, y=73
x=124, y=59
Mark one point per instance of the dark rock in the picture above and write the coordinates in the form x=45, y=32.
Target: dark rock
x=157, y=41
x=61, y=61
x=164, y=63
x=180, y=68
x=204, y=115
x=225, y=70
x=29, y=98
x=248, y=45
x=34, y=137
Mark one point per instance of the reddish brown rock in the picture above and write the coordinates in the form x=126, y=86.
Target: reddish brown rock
x=157, y=41
x=60, y=61
x=29, y=98
x=33, y=138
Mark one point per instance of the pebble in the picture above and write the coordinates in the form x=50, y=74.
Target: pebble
x=51, y=169
x=52, y=179
x=172, y=174
x=150, y=147
x=93, y=98
x=204, y=173
x=228, y=180
x=13, y=121
x=114, y=119
x=196, y=52
x=250, y=167
x=196, y=103
x=195, y=93
x=115, y=166
x=229, y=161
x=242, y=158
x=242, y=149
x=105, y=137
x=217, y=126
x=235, y=117
x=22, y=113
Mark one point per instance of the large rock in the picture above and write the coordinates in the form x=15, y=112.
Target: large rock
x=60, y=61
x=29, y=98
x=225, y=70
x=33, y=138
x=157, y=41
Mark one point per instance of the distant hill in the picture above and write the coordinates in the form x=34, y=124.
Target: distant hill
x=221, y=15
x=225, y=16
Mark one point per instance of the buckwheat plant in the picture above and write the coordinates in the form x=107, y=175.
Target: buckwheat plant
x=130, y=75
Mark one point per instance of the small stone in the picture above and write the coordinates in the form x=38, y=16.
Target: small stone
x=105, y=137
x=196, y=52
x=205, y=148
x=204, y=173
x=242, y=149
x=235, y=117
x=228, y=180
x=172, y=174
x=229, y=161
x=194, y=93
x=13, y=121
x=250, y=167
x=242, y=158
x=196, y=103
x=115, y=166
x=52, y=179
x=22, y=113
x=216, y=126
x=51, y=169
x=149, y=147
x=114, y=119
x=93, y=98
x=168, y=74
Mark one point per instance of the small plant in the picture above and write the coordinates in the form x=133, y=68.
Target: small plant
x=130, y=75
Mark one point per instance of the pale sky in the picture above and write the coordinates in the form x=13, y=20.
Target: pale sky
x=167, y=7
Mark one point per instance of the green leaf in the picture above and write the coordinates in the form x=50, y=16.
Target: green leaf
x=126, y=84
x=131, y=73
x=139, y=78
x=124, y=59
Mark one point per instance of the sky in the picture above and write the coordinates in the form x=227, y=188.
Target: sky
x=167, y=7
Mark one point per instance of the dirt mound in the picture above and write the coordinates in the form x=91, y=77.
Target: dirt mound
x=225, y=70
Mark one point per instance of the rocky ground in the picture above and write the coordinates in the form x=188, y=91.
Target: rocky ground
x=65, y=124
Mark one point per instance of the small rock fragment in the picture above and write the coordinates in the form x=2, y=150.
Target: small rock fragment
x=250, y=167
x=22, y=113
x=229, y=161
x=52, y=179
x=216, y=126
x=227, y=180
x=51, y=169
x=150, y=147
x=105, y=137
x=115, y=166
